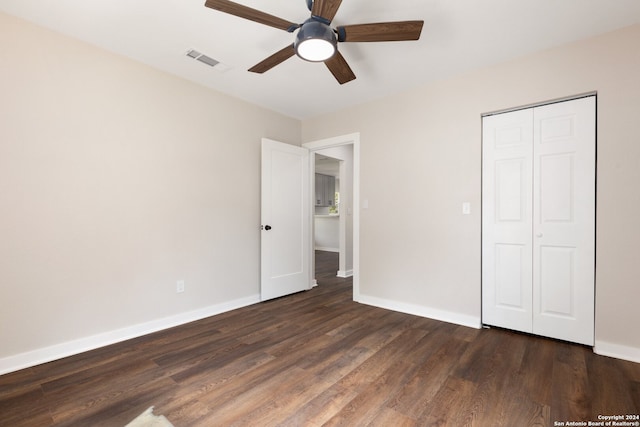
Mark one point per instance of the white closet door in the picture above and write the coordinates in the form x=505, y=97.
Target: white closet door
x=506, y=220
x=538, y=220
x=564, y=220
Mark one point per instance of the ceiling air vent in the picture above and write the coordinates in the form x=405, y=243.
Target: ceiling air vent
x=192, y=53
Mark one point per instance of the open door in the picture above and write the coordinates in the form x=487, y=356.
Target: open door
x=285, y=216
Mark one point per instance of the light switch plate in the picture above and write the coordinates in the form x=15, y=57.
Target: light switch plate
x=466, y=208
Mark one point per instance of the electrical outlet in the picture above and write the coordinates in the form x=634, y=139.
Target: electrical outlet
x=180, y=286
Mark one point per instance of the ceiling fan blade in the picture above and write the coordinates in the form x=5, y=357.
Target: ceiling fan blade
x=275, y=59
x=339, y=68
x=250, y=14
x=381, y=32
x=326, y=8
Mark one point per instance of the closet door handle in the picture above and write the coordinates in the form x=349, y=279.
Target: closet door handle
x=538, y=234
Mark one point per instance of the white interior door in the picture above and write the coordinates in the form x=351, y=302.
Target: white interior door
x=564, y=220
x=506, y=220
x=285, y=216
x=538, y=225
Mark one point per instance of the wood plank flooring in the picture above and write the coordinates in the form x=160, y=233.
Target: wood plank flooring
x=318, y=359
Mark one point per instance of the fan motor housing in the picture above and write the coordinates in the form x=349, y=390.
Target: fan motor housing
x=316, y=41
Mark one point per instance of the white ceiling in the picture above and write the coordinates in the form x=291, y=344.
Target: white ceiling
x=458, y=35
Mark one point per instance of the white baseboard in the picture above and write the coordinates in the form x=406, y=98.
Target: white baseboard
x=632, y=354
x=345, y=274
x=323, y=248
x=70, y=348
x=419, y=310
x=602, y=348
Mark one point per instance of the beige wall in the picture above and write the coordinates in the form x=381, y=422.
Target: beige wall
x=117, y=180
x=421, y=158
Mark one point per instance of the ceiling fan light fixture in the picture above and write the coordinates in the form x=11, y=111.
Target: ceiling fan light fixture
x=315, y=41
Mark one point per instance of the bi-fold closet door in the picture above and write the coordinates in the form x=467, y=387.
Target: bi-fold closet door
x=538, y=220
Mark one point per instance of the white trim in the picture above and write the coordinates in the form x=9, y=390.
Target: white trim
x=344, y=274
x=70, y=348
x=352, y=138
x=632, y=354
x=422, y=311
x=333, y=142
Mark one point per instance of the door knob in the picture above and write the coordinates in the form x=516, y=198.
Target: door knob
x=538, y=234
x=267, y=227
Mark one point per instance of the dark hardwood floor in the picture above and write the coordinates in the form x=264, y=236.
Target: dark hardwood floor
x=317, y=358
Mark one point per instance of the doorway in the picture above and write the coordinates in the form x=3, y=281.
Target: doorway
x=346, y=150
x=330, y=256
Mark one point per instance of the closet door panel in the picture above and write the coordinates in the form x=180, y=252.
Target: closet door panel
x=564, y=220
x=506, y=219
x=557, y=281
x=511, y=284
x=558, y=187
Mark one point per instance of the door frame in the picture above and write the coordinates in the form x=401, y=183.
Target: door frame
x=314, y=146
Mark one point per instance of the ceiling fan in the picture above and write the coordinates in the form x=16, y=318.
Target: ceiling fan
x=316, y=41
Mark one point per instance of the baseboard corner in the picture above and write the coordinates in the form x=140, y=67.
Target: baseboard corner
x=618, y=351
x=423, y=311
x=344, y=273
